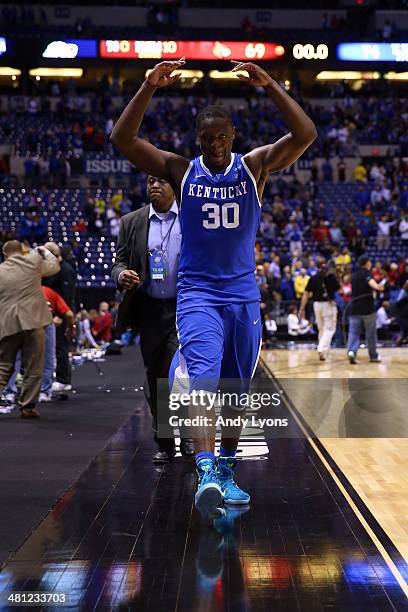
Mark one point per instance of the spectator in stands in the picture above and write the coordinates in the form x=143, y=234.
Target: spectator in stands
x=341, y=166
x=327, y=170
x=362, y=311
x=403, y=202
x=296, y=325
x=80, y=226
x=376, y=197
x=30, y=170
x=312, y=268
x=376, y=174
x=85, y=338
x=392, y=275
x=287, y=286
x=98, y=224
x=403, y=227
x=360, y=172
x=114, y=225
x=383, y=319
x=336, y=235
x=300, y=283
x=321, y=233
x=268, y=229
x=357, y=244
x=294, y=235
x=102, y=326
x=361, y=197
x=378, y=273
x=344, y=259
x=403, y=272
x=274, y=268
x=383, y=232
x=350, y=232
x=33, y=227
x=116, y=200
x=125, y=205
x=269, y=329
x=100, y=206
x=345, y=290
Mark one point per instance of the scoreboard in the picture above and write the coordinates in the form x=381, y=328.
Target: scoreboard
x=373, y=52
x=191, y=50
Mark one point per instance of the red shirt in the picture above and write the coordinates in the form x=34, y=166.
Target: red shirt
x=57, y=305
x=102, y=327
x=321, y=233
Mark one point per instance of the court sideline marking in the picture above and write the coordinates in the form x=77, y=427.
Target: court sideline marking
x=393, y=568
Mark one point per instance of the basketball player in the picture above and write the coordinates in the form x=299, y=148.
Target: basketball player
x=219, y=195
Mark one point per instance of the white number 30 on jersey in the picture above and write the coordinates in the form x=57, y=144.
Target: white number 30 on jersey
x=226, y=215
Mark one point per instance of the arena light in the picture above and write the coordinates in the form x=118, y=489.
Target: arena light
x=73, y=73
x=7, y=71
x=346, y=75
x=190, y=49
x=185, y=74
x=225, y=74
x=396, y=76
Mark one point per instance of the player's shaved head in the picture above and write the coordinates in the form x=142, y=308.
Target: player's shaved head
x=213, y=112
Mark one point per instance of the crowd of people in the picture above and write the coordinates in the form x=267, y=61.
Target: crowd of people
x=80, y=123
x=283, y=280
x=300, y=226
x=58, y=329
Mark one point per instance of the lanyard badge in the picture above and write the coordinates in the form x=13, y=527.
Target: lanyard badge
x=158, y=265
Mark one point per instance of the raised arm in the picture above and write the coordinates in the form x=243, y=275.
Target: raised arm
x=139, y=151
x=286, y=150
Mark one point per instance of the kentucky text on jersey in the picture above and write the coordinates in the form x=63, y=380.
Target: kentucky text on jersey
x=215, y=193
x=219, y=217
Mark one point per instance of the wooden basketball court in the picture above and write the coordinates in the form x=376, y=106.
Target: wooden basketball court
x=373, y=462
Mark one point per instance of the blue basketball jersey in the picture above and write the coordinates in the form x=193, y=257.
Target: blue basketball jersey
x=219, y=217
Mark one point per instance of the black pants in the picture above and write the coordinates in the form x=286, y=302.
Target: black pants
x=63, y=370
x=158, y=343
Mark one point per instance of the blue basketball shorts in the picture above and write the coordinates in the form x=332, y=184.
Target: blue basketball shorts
x=217, y=342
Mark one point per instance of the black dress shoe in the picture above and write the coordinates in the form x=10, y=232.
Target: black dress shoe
x=164, y=456
x=187, y=447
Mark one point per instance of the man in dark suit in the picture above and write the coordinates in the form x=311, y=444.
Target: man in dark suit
x=146, y=267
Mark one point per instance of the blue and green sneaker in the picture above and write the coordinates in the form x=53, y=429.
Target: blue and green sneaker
x=231, y=492
x=208, y=495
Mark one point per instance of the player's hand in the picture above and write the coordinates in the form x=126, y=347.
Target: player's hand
x=301, y=314
x=129, y=279
x=257, y=76
x=161, y=75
